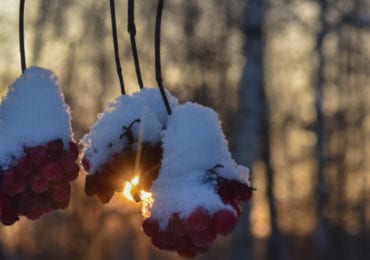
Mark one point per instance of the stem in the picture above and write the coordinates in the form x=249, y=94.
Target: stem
x=132, y=31
x=115, y=43
x=21, y=35
x=157, y=55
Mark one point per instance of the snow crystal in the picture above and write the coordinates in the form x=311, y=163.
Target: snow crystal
x=104, y=138
x=153, y=99
x=32, y=113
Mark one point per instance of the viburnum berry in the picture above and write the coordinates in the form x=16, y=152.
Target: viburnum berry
x=60, y=191
x=198, y=220
x=150, y=227
x=38, y=184
x=224, y=221
x=24, y=166
x=55, y=147
x=13, y=183
x=38, y=155
x=51, y=171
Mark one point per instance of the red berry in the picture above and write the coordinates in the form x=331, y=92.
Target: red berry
x=198, y=220
x=204, y=238
x=150, y=227
x=66, y=161
x=38, y=155
x=177, y=224
x=73, y=174
x=247, y=193
x=24, y=166
x=13, y=183
x=105, y=196
x=61, y=204
x=60, y=191
x=224, y=221
x=8, y=213
x=51, y=171
x=73, y=149
x=236, y=206
x=86, y=164
x=26, y=202
x=34, y=214
x=55, y=147
x=38, y=184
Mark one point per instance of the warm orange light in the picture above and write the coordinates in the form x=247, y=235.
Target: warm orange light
x=145, y=197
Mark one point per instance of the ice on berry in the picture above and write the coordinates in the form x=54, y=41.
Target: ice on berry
x=31, y=114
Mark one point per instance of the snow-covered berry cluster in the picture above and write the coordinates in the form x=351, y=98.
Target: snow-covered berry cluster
x=37, y=153
x=125, y=142
x=199, y=188
x=39, y=182
x=182, y=160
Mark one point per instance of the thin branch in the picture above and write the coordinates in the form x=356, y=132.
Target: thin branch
x=116, y=50
x=132, y=31
x=157, y=54
x=21, y=35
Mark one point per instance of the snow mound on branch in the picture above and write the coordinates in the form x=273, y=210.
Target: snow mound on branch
x=104, y=138
x=153, y=99
x=32, y=113
x=193, y=143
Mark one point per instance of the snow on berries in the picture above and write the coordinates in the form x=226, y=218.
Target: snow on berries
x=37, y=152
x=125, y=142
x=199, y=188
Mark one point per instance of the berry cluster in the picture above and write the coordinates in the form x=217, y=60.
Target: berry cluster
x=193, y=234
x=231, y=192
x=109, y=178
x=39, y=181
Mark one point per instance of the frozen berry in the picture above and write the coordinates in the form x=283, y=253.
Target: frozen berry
x=60, y=191
x=204, y=238
x=61, y=204
x=150, y=227
x=66, y=161
x=73, y=149
x=198, y=220
x=72, y=174
x=51, y=171
x=187, y=253
x=224, y=221
x=55, y=147
x=38, y=155
x=24, y=166
x=37, y=183
x=13, y=183
x=8, y=213
x=177, y=225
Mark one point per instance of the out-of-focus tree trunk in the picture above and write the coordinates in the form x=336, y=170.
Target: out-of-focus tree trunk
x=322, y=234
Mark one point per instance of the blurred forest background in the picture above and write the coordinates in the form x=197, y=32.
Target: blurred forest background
x=290, y=80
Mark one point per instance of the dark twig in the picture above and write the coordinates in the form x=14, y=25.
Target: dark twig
x=21, y=35
x=115, y=43
x=157, y=55
x=132, y=31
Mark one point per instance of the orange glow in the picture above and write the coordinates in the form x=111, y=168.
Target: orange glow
x=146, y=198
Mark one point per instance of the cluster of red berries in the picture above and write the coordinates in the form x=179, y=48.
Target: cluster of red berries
x=109, y=178
x=39, y=181
x=193, y=234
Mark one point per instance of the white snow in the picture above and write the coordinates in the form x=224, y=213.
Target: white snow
x=153, y=99
x=192, y=144
x=32, y=113
x=103, y=140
